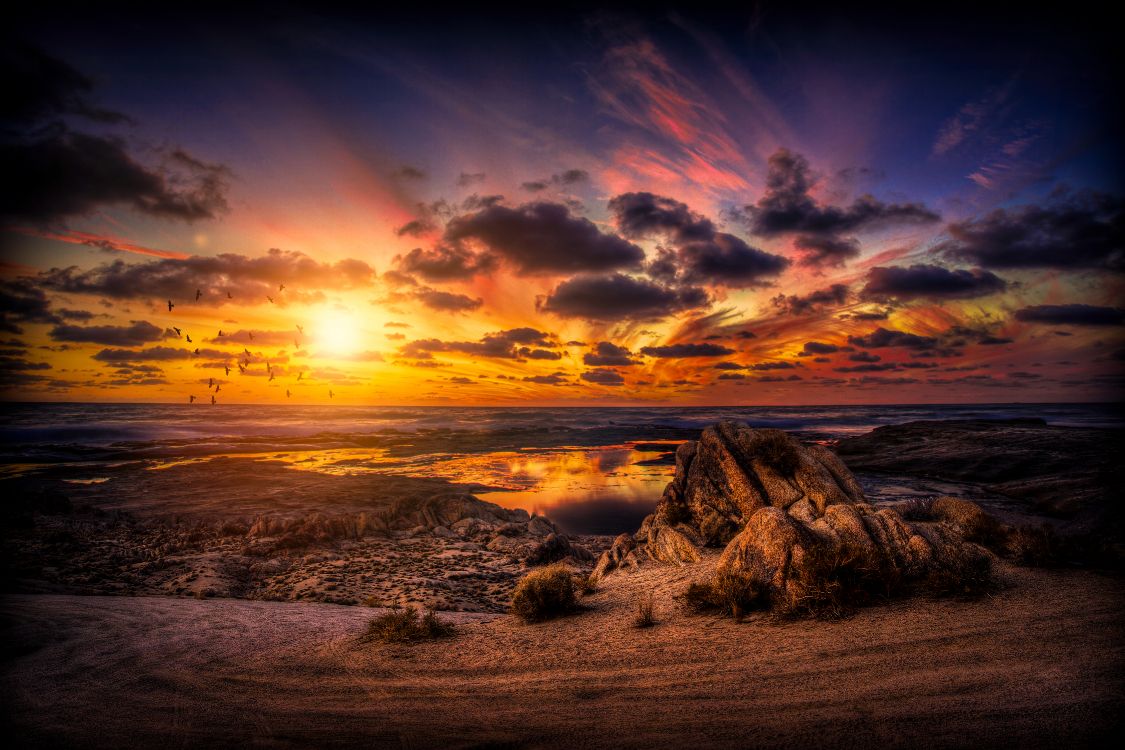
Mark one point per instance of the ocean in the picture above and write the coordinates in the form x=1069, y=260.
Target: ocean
x=592, y=469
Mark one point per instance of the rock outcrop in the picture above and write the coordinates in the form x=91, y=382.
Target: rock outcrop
x=783, y=513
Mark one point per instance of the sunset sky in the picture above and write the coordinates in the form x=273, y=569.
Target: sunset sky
x=768, y=206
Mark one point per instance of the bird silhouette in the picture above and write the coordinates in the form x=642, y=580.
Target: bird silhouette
x=271, y=377
x=197, y=351
x=331, y=394
x=227, y=368
x=270, y=299
x=295, y=344
x=177, y=330
x=191, y=399
x=218, y=386
x=229, y=296
x=287, y=394
x=212, y=401
x=301, y=374
x=247, y=351
x=198, y=294
x=170, y=305
x=269, y=367
x=250, y=334
x=210, y=383
x=281, y=287
x=301, y=330
x=220, y=331
x=241, y=369
x=189, y=338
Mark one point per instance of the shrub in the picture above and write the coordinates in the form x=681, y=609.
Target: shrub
x=544, y=594
x=587, y=584
x=974, y=523
x=968, y=575
x=917, y=509
x=831, y=583
x=401, y=625
x=645, y=617
x=727, y=593
x=777, y=450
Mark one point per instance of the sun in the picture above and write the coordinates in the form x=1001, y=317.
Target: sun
x=338, y=332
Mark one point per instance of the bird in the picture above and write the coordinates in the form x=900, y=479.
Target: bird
x=212, y=401
x=331, y=394
x=295, y=344
x=217, y=387
x=241, y=369
x=250, y=334
x=198, y=294
x=229, y=296
x=269, y=298
x=247, y=351
x=178, y=331
x=191, y=399
x=210, y=383
x=287, y=394
x=189, y=338
x=269, y=367
x=301, y=330
x=281, y=287
x=197, y=351
x=227, y=368
x=271, y=377
x=220, y=331
x=301, y=374
x=170, y=305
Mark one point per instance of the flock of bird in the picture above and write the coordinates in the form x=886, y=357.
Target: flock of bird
x=243, y=364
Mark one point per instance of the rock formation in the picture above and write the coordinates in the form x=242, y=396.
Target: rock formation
x=783, y=512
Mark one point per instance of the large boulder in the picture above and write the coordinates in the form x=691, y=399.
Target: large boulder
x=785, y=514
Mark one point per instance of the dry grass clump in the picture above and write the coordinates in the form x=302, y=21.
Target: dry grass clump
x=587, y=584
x=726, y=593
x=1033, y=546
x=967, y=576
x=916, y=509
x=974, y=523
x=777, y=450
x=645, y=617
x=544, y=594
x=831, y=583
x=403, y=625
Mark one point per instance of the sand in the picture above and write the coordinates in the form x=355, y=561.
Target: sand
x=1038, y=664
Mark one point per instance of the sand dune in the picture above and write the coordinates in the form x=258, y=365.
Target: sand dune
x=1039, y=664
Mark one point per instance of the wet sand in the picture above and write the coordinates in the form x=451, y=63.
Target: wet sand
x=1039, y=664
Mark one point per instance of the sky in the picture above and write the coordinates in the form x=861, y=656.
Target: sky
x=779, y=204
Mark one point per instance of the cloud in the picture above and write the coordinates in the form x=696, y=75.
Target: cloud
x=470, y=178
x=435, y=299
x=787, y=208
x=565, y=178
x=930, y=282
x=619, y=297
x=680, y=351
x=445, y=263
x=761, y=366
x=826, y=251
x=557, y=378
x=606, y=354
x=139, y=333
x=703, y=255
x=509, y=344
x=155, y=354
x=1072, y=315
x=541, y=238
x=813, y=348
x=21, y=302
x=1084, y=231
x=882, y=338
x=248, y=280
x=408, y=172
x=415, y=228
x=834, y=296
x=603, y=377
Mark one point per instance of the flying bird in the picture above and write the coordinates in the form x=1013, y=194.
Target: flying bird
x=287, y=394
x=197, y=351
x=270, y=299
x=241, y=369
x=212, y=401
x=227, y=368
x=229, y=296
x=189, y=338
x=198, y=294
x=301, y=330
x=281, y=287
x=247, y=351
x=220, y=331
x=218, y=386
x=271, y=377
x=301, y=374
x=331, y=394
x=170, y=305
x=250, y=334
x=210, y=383
x=191, y=399
x=177, y=330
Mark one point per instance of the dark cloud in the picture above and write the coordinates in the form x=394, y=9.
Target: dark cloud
x=762, y=366
x=139, y=333
x=864, y=357
x=415, y=228
x=871, y=367
x=436, y=299
x=565, y=178
x=247, y=280
x=680, y=351
x=787, y=208
x=1083, y=231
x=826, y=250
x=882, y=338
x=38, y=87
x=544, y=238
x=61, y=174
x=155, y=354
x=702, y=255
x=930, y=282
x=22, y=302
x=408, y=172
x=539, y=353
x=445, y=263
x=732, y=376
x=1072, y=315
x=816, y=347
x=619, y=297
x=603, y=377
x=557, y=378
x=606, y=354
x=834, y=296
x=510, y=344
x=729, y=366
